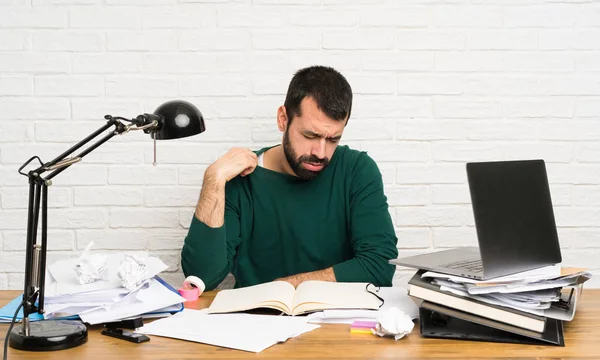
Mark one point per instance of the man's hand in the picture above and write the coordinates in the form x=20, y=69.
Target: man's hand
x=323, y=275
x=235, y=162
x=291, y=279
x=211, y=206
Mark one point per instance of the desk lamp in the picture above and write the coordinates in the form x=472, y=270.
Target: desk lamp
x=171, y=120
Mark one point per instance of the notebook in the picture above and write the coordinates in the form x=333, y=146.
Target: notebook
x=310, y=296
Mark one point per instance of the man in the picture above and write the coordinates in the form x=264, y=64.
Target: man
x=307, y=209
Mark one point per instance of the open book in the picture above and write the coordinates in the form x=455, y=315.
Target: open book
x=310, y=296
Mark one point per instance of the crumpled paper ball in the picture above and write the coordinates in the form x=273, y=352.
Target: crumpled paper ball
x=393, y=322
x=91, y=267
x=132, y=272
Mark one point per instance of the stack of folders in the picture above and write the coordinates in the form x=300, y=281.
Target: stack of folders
x=515, y=309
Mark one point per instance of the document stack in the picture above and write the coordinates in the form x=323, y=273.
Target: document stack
x=527, y=307
x=129, y=286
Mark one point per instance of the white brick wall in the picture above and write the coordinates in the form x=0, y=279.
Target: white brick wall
x=436, y=84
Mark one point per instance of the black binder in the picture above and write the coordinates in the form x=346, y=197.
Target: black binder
x=437, y=321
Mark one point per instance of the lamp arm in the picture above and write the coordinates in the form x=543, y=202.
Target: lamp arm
x=35, y=255
x=120, y=129
x=66, y=164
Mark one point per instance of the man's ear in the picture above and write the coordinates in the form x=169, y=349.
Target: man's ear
x=282, y=119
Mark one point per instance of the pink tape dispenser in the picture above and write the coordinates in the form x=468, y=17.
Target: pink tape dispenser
x=192, y=288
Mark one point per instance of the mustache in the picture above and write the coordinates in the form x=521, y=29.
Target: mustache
x=313, y=159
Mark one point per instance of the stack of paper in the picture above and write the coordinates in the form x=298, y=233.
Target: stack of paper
x=103, y=300
x=539, y=292
x=245, y=332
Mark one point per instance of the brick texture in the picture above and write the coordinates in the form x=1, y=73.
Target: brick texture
x=436, y=84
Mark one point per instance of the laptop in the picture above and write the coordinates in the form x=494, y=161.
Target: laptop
x=514, y=221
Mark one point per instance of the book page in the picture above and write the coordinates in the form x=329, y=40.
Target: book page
x=274, y=295
x=322, y=295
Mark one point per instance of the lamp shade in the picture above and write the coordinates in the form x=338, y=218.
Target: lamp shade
x=178, y=119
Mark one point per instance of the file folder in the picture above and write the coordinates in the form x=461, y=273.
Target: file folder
x=437, y=321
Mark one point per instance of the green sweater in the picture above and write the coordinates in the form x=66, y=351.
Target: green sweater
x=277, y=225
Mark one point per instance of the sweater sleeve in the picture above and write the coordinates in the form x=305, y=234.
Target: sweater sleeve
x=208, y=252
x=373, y=237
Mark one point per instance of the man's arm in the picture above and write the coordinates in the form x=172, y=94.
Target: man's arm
x=372, y=234
x=211, y=205
x=214, y=233
x=323, y=275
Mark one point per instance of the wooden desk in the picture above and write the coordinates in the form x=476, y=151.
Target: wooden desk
x=582, y=338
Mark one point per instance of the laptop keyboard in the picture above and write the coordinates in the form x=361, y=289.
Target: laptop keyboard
x=471, y=265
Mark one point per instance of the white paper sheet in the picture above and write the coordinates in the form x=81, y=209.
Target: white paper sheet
x=86, y=297
x=494, y=301
x=547, y=272
x=246, y=332
x=527, y=296
x=147, y=299
x=520, y=286
x=549, y=310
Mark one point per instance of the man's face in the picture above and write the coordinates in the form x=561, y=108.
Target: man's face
x=310, y=140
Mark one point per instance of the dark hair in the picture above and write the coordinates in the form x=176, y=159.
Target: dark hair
x=326, y=86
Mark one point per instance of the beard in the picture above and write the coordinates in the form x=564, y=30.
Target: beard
x=296, y=161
